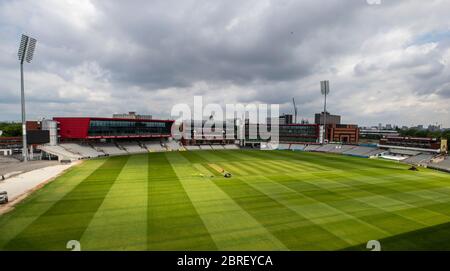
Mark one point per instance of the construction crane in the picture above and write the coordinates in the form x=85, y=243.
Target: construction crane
x=295, y=111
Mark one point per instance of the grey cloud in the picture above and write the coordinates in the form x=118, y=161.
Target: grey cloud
x=137, y=55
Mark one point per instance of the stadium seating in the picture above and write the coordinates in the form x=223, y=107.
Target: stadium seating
x=231, y=147
x=266, y=147
x=345, y=149
x=282, y=146
x=312, y=147
x=192, y=148
x=85, y=151
x=109, y=148
x=154, y=146
x=173, y=146
x=403, y=152
x=217, y=147
x=205, y=147
x=133, y=147
x=442, y=165
x=60, y=152
x=297, y=147
x=342, y=148
x=375, y=152
x=421, y=159
x=359, y=151
x=399, y=155
x=327, y=148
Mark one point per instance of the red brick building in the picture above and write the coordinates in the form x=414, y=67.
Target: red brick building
x=344, y=133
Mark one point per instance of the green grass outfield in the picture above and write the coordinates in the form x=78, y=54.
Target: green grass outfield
x=275, y=200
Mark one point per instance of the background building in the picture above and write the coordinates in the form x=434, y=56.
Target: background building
x=202, y=132
x=112, y=128
x=331, y=119
x=343, y=133
x=372, y=135
x=288, y=133
x=411, y=143
x=299, y=133
x=132, y=115
x=286, y=119
x=10, y=145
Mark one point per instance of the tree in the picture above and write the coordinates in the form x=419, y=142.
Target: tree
x=11, y=129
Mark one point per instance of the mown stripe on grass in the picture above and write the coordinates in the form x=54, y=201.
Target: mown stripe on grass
x=392, y=216
x=306, y=161
x=434, y=238
x=243, y=155
x=336, y=221
x=68, y=218
x=334, y=161
x=230, y=226
x=245, y=169
x=278, y=166
x=172, y=221
x=256, y=167
x=379, y=215
x=120, y=223
x=211, y=156
x=404, y=202
x=237, y=155
x=230, y=167
x=193, y=157
x=39, y=202
x=205, y=170
x=291, y=228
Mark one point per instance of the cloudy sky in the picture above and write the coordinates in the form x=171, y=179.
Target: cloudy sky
x=387, y=63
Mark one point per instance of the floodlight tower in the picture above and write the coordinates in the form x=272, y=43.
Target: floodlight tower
x=295, y=110
x=325, y=90
x=26, y=51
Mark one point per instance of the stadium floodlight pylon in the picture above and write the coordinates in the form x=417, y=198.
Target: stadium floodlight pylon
x=325, y=90
x=25, y=53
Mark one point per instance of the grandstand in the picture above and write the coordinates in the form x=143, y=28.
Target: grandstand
x=59, y=152
x=420, y=159
x=375, y=152
x=133, y=147
x=109, y=148
x=443, y=165
x=342, y=148
x=76, y=151
x=282, y=146
x=327, y=148
x=403, y=152
x=173, y=145
x=83, y=138
x=205, y=147
x=297, y=147
x=231, y=147
x=153, y=146
x=192, y=147
x=83, y=150
x=419, y=144
x=271, y=146
x=217, y=147
x=352, y=150
x=399, y=154
x=360, y=151
x=312, y=147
